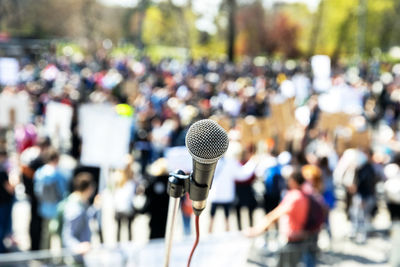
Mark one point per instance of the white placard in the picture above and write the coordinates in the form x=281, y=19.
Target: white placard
x=178, y=158
x=321, y=67
x=105, y=135
x=342, y=98
x=14, y=107
x=9, y=69
x=58, y=122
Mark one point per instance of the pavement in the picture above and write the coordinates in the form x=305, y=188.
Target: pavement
x=336, y=251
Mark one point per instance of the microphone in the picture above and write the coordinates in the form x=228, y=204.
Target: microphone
x=207, y=142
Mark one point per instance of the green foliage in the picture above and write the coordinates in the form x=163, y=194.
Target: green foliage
x=346, y=28
x=153, y=26
x=125, y=50
x=158, y=52
x=382, y=24
x=68, y=49
x=168, y=25
x=339, y=26
x=214, y=49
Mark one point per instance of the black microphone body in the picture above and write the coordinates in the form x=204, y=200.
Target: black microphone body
x=200, y=184
x=206, y=142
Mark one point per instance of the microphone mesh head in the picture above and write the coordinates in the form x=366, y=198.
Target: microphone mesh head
x=206, y=141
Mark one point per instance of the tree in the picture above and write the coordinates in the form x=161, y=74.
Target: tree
x=168, y=25
x=252, y=30
x=347, y=28
x=63, y=19
x=231, y=29
x=260, y=33
x=284, y=35
x=133, y=23
x=316, y=29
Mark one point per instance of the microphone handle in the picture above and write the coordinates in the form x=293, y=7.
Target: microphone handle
x=200, y=184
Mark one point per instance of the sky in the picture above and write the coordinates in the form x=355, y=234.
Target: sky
x=208, y=9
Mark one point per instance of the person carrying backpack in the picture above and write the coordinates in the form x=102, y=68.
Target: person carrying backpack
x=293, y=212
x=313, y=188
x=317, y=215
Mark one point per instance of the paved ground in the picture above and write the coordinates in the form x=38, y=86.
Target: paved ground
x=340, y=251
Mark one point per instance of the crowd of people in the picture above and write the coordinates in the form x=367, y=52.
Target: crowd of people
x=166, y=98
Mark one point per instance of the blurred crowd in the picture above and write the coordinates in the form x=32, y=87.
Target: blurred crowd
x=166, y=98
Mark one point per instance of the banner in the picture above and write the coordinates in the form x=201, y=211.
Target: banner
x=105, y=135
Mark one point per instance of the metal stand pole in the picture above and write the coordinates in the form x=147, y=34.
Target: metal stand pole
x=177, y=184
x=172, y=213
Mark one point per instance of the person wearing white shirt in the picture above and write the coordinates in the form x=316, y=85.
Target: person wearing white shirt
x=222, y=192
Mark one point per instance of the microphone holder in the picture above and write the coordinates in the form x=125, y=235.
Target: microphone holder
x=178, y=185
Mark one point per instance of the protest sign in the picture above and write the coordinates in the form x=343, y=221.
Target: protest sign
x=14, y=108
x=321, y=67
x=178, y=158
x=105, y=135
x=58, y=123
x=9, y=69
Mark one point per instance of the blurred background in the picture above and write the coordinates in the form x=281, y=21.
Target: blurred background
x=96, y=97
x=345, y=30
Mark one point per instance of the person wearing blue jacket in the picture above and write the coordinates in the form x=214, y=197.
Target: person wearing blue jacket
x=50, y=187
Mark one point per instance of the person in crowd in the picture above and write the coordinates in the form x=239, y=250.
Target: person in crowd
x=322, y=147
x=292, y=213
x=245, y=193
x=76, y=234
x=222, y=192
x=187, y=212
x=141, y=139
x=314, y=187
x=95, y=173
x=25, y=136
x=392, y=198
x=328, y=186
x=178, y=132
x=345, y=173
x=50, y=187
x=184, y=92
x=273, y=187
x=159, y=137
x=123, y=198
x=313, y=175
x=31, y=160
x=328, y=192
x=364, y=199
x=157, y=198
x=6, y=201
x=269, y=169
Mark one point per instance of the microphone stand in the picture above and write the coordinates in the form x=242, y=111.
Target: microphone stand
x=172, y=213
x=178, y=184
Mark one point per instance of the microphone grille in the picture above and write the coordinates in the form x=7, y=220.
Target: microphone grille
x=206, y=141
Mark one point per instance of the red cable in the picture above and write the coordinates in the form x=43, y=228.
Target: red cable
x=195, y=242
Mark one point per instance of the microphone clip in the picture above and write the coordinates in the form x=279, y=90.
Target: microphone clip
x=178, y=184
